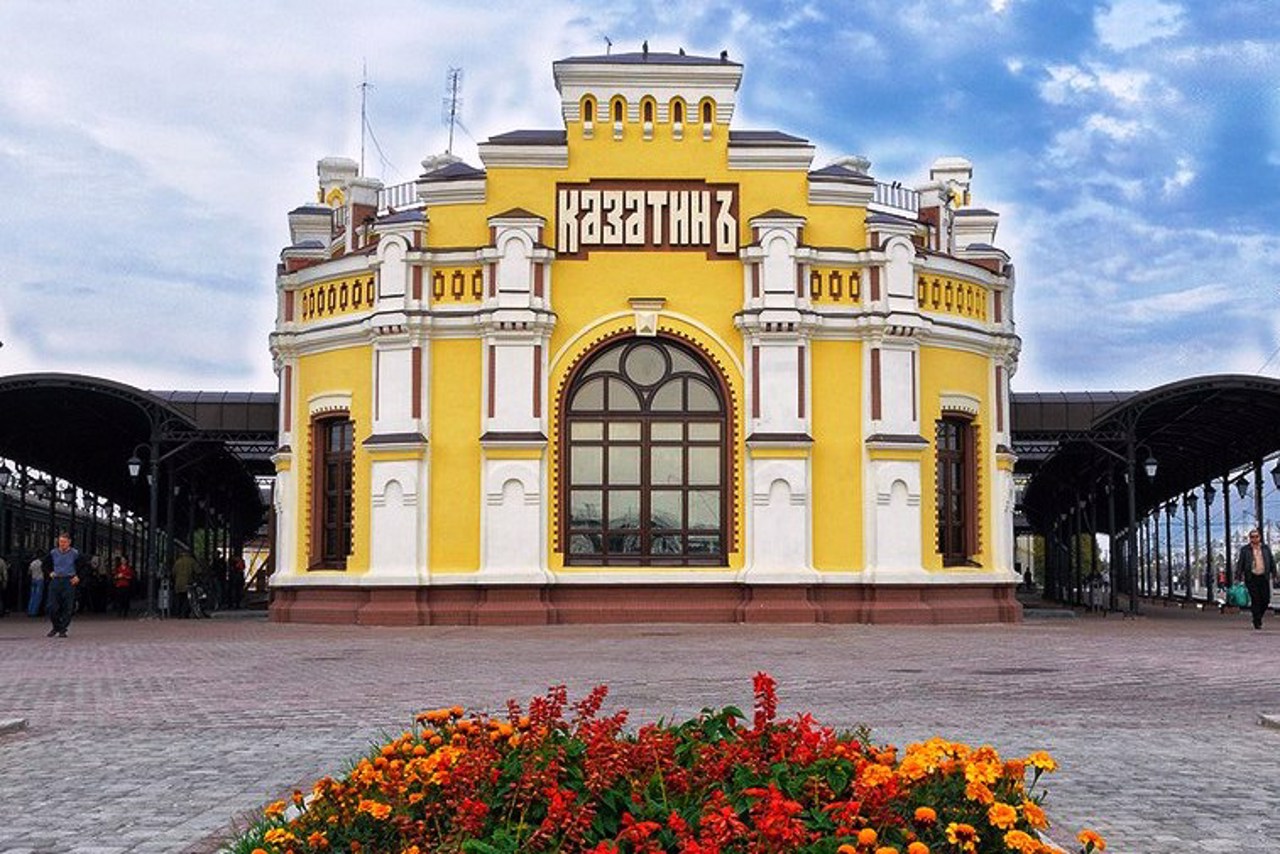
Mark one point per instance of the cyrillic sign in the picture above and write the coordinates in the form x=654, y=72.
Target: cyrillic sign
x=647, y=215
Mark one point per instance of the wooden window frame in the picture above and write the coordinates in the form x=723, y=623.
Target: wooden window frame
x=323, y=491
x=643, y=557
x=956, y=540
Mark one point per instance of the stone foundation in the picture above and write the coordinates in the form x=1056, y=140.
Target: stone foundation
x=528, y=605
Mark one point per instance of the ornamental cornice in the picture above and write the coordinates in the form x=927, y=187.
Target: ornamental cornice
x=470, y=191
x=337, y=268
x=524, y=156
x=966, y=270
x=761, y=158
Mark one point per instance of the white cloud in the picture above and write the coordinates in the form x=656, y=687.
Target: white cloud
x=1065, y=82
x=1128, y=24
x=1182, y=177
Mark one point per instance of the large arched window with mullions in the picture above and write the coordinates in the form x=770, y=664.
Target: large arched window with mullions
x=643, y=468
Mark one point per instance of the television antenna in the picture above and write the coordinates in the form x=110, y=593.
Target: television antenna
x=452, y=102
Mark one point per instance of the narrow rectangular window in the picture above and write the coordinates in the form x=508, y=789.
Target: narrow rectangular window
x=332, y=453
x=956, y=493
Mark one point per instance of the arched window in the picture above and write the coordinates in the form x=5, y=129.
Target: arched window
x=957, y=493
x=617, y=110
x=332, y=443
x=643, y=471
x=647, y=111
x=588, y=109
x=677, y=111
x=706, y=112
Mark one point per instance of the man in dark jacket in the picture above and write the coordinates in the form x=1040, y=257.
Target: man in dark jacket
x=1256, y=567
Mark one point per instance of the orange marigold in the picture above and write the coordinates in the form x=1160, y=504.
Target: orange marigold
x=874, y=775
x=274, y=809
x=867, y=836
x=846, y=849
x=1002, y=816
x=917, y=848
x=318, y=840
x=888, y=849
x=374, y=808
x=1023, y=843
x=1091, y=840
x=979, y=792
x=1034, y=815
x=259, y=851
x=926, y=815
x=1042, y=760
x=964, y=836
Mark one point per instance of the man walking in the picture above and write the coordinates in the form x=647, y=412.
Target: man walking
x=1256, y=567
x=63, y=578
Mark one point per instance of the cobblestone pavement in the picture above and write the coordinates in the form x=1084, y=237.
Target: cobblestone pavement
x=159, y=736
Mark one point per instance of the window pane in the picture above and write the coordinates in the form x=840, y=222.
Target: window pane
x=665, y=544
x=589, y=397
x=704, y=508
x=624, y=465
x=704, y=544
x=704, y=430
x=622, y=398
x=667, y=398
x=645, y=365
x=606, y=361
x=626, y=431
x=704, y=465
x=682, y=362
x=586, y=430
x=702, y=398
x=624, y=544
x=666, y=465
x=624, y=508
x=666, y=431
x=582, y=544
x=666, y=509
x=585, y=508
x=586, y=465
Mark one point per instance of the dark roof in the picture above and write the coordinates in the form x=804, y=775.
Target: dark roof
x=529, y=137
x=776, y=213
x=975, y=212
x=453, y=172
x=764, y=137
x=518, y=213
x=889, y=219
x=836, y=172
x=414, y=215
x=315, y=209
x=1196, y=429
x=84, y=430
x=645, y=58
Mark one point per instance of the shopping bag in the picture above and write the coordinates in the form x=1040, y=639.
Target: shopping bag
x=1238, y=595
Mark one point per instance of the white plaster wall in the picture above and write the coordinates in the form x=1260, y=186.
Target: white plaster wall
x=393, y=369
x=397, y=536
x=285, y=503
x=393, y=272
x=778, y=271
x=514, y=268
x=513, y=391
x=779, y=388
x=897, y=392
x=512, y=521
x=778, y=522
x=899, y=275
x=895, y=504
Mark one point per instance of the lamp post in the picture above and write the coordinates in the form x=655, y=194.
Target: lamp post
x=5, y=475
x=135, y=468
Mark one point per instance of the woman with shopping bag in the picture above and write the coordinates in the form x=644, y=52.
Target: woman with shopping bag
x=1256, y=567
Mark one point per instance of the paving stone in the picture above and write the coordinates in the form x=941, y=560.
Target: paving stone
x=167, y=735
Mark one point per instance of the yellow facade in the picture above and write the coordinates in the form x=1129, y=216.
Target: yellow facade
x=789, y=337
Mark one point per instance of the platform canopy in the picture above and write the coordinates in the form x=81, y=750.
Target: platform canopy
x=1195, y=430
x=85, y=430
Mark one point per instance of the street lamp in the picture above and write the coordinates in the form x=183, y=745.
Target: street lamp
x=1191, y=500
x=1150, y=465
x=1275, y=475
x=1242, y=485
x=1209, y=493
x=134, y=465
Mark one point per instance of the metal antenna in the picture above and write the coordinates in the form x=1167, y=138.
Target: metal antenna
x=452, y=102
x=608, y=46
x=364, y=121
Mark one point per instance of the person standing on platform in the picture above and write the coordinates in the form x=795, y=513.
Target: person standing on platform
x=184, y=569
x=36, y=569
x=123, y=581
x=1256, y=567
x=64, y=567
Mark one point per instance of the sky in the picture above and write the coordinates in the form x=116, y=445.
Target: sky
x=151, y=151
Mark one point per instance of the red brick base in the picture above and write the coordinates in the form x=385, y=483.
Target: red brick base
x=475, y=605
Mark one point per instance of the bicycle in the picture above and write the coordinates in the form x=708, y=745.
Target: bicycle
x=201, y=601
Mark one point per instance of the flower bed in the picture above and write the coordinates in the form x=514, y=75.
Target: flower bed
x=561, y=778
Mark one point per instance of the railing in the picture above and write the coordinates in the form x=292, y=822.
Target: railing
x=398, y=196
x=896, y=196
